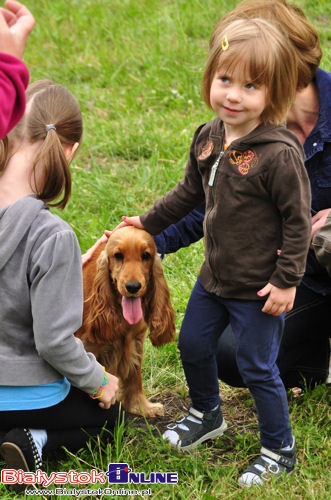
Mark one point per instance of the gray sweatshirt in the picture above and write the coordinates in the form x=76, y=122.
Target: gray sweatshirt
x=41, y=300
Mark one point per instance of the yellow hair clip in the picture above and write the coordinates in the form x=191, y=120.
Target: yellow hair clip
x=225, y=43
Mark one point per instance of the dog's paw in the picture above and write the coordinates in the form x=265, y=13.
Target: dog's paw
x=154, y=410
x=146, y=408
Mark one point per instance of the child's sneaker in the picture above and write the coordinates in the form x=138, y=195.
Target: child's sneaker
x=19, y=451
x=197, y=427
x=271, y=463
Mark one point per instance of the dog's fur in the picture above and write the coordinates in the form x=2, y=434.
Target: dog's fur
x=127, y=266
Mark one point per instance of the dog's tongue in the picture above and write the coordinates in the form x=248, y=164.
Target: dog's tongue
x=132, y=311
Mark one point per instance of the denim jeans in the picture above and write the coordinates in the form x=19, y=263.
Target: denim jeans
x=258, y=337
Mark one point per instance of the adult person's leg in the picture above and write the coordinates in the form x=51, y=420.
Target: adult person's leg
x=69, y=423
x=226, y=359
x=304, y=353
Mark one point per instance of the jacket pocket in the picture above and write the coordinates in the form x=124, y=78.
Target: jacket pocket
x=247, y=258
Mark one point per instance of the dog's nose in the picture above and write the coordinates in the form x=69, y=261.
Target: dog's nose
x=133, y=286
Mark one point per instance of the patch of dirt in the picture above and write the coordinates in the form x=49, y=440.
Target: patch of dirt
x=237, y=407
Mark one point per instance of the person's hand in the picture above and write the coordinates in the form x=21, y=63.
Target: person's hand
x=127, y=221
x=87, y=256
x=280, y=299
x=130, y=221
x=318, y=221
x=110, y=393
x=16, y=23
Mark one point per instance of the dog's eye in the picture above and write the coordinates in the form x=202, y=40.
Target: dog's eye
x=119, y=256
x=146, y=256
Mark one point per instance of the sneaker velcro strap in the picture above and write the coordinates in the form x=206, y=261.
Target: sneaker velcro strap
x=256, y=470
x=270, y=454
x=180, y=419
x=195, y=413
x=188, y=431
x=184, y=421
x=287, y=462
x=172, y=426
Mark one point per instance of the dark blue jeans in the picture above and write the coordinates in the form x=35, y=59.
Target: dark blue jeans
x=258, y=337
x=304, y=353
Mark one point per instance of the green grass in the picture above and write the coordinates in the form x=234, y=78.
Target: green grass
x=136, y=67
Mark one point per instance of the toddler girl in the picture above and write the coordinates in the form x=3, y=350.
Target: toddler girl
x=249, y=169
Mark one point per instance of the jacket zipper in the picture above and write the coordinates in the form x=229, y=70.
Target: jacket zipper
x=211, y=184
x=214, y=169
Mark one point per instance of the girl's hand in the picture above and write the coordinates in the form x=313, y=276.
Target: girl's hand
x=86, y=257
x=127, y=221
x=16, y=23
x=280, y=299
x=110, y=393
x=130, y=221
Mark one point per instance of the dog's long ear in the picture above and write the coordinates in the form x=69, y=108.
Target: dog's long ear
x=102, y=317
x=161, y=317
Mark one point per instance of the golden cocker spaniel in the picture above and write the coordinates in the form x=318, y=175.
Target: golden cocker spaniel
x=125, y=293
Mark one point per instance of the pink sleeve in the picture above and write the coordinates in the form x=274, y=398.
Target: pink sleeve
x=14, y=78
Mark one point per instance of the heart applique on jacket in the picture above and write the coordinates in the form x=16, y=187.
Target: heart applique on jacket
x=245, y=161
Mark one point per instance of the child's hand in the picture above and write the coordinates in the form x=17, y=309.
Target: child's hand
x=127, y=221
x=110, y=393
x=280, y=299
x=130, y=221
x=86, y=257
x=16, y=22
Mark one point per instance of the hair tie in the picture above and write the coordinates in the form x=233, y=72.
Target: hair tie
x=225, y=43
x=50, y=127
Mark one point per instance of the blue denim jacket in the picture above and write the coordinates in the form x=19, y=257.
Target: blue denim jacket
x=318, y=163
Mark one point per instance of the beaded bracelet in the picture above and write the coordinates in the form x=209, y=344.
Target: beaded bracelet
x=99, y=392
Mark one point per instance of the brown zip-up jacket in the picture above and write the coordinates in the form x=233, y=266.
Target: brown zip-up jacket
x=258, y=201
